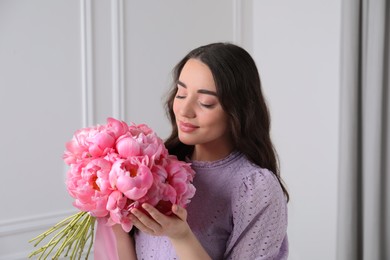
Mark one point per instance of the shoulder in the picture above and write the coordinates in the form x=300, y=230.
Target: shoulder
x=252, y=180
x=252, y=174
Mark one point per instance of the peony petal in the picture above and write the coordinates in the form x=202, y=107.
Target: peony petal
x=127, y=146
x=127, y=226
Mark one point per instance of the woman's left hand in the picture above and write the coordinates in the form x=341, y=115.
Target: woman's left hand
x=174, y=226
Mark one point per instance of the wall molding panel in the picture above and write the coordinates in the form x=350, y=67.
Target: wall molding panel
x=29, y=224
x=237, y=21
x=118, y=56
x=87, y=63
x=242, y=17
x=23, y=256
x=14, y=234
x=243, y=23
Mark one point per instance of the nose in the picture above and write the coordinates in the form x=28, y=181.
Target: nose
x=186, y=108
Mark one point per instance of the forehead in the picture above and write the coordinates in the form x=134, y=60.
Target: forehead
x=196, y=74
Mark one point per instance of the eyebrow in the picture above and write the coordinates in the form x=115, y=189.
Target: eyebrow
x=201, y=91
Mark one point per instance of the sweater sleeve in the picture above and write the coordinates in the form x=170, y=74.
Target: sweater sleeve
x=259, y=218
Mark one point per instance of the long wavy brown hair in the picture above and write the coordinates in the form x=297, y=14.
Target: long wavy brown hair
x=239, y=91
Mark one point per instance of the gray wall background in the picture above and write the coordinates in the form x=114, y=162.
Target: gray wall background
x=66, y=64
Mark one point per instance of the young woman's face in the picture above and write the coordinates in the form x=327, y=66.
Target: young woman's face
x=199, y=115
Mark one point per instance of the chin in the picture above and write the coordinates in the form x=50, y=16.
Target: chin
x=186, y=140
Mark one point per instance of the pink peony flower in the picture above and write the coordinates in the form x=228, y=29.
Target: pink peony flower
x=115, y=167
x=77, y=148
x=128, y=146
x=90, y=187
x=135, y=130
x=140, y=142
x=116, y=127
x=152, y=146
x=100, y=143
x=119, y=207
x=160, y=189
x=180, y=177
x=89, y=142
x=132, y=177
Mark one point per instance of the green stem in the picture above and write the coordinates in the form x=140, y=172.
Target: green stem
x=77, y=234
x=92, y=236
x=81, y=237
x=79, y=228
x=63, y=233
x=53, y=228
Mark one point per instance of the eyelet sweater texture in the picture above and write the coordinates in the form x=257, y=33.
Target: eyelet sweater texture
x=239, y=211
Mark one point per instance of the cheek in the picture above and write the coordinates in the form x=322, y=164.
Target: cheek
x=219, y=122
x=175, y=108
x=225, y=122
x=223, y=128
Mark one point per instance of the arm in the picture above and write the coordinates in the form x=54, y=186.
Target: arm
x=125, y=244
x=260, y=220
x=187, y=245
x=175, y=227
x=189, y=248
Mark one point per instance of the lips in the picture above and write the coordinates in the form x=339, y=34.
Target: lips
x=187, y=127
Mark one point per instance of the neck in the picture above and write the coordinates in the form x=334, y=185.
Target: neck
x=204, y=153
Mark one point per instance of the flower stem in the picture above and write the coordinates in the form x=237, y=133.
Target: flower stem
x=76, y=231
x=52, y=229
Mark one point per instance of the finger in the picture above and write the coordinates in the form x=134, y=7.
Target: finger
x=144, y=223
x=141, y=227
x=180, y=212
x=137, y=222
x=155, y=214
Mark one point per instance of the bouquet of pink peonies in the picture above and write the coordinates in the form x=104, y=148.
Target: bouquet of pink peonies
x=114, y=168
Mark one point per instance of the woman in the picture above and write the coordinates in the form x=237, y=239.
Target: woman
x=221, y=125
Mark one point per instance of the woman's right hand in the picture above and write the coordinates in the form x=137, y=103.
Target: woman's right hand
x=125, y=244
x=175, y=227
x=158, y=224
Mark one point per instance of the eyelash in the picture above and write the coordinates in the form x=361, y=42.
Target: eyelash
x=206, y=106
x=203, y=105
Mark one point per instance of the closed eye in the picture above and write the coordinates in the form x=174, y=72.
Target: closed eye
x=206, y=105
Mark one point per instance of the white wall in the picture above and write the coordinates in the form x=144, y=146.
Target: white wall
x=158, y=35
x=66, y=64
x=296, y=45
x=39, y=108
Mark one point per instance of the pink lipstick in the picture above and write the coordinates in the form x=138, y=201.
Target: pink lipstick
x=187, y=127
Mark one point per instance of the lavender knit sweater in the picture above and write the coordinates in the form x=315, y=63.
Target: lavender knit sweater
x=238, y=212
